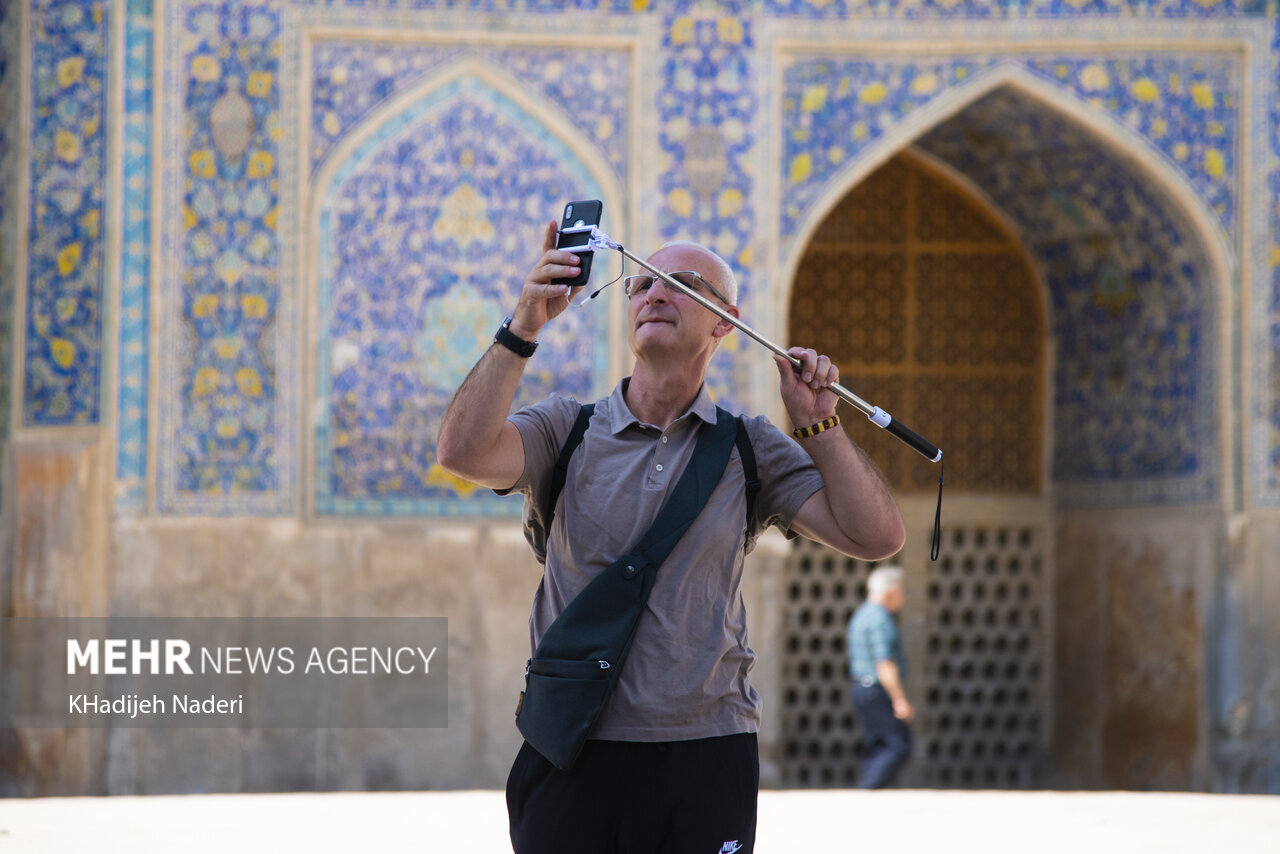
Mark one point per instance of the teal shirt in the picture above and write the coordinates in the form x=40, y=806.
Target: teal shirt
x=873, y=637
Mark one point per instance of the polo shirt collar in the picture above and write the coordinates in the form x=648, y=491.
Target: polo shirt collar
x=620, y=417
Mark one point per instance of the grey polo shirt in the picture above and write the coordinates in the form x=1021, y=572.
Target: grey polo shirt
x=686, y=675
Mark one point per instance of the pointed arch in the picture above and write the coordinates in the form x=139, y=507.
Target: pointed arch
x=541, y=129
x=1133, y=147
x=469, y=75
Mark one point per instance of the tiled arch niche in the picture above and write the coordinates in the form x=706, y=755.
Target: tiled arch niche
x=931, y=305
x=1058, y=356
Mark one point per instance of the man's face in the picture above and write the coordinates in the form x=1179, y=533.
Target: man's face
x=893, y=598
x=666, y=320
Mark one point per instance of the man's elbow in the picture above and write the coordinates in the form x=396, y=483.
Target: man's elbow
x=452, y=455
x=488, y=466
x=887, y=542
x=897, y=538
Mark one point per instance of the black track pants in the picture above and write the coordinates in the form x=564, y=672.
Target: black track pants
x=625, y=797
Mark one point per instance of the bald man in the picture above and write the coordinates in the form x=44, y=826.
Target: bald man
x=672, y=763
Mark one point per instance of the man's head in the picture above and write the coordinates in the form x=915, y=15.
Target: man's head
x=884, y=587
x=664, y=319
x=721, y=276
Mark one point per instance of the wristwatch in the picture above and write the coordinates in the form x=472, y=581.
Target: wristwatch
x=513, y=342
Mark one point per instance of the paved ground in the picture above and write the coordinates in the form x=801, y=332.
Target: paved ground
x=829, y=821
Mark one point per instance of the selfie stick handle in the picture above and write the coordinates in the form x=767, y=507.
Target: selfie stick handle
x=875, y=414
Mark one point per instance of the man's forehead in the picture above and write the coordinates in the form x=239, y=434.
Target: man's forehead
x=671, y=258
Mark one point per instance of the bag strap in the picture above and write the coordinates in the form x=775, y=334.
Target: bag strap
x=561, y=470
x=748, y=458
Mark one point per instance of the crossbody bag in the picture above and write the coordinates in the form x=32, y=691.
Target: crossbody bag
x=578, y=661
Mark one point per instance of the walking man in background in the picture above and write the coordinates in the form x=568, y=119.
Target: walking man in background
x=877, y=667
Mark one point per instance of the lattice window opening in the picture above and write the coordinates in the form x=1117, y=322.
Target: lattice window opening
x=981, y=724
x=930, y=308
x=973, y=627
x=821, y=734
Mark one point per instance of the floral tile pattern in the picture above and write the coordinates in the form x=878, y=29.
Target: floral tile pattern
x=65, y=242
x=135, y=264
x=916, y=9
x=350, y=79
x=424, y=243
x=1186, y=106
x=221, y=430
x=226, y=427
x=708, y=112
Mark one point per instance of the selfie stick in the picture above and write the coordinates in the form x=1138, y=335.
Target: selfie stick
x=877, y=416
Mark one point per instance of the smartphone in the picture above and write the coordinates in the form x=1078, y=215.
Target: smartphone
x=575, y=230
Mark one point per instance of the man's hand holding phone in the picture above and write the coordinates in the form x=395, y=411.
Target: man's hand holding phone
x=540, y=298
x=560, y=273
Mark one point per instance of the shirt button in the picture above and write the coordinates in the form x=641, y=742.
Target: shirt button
x=659, y=466
x=664, y=440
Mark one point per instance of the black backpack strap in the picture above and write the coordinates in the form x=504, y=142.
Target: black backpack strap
x=561, y=471
x=748, y=458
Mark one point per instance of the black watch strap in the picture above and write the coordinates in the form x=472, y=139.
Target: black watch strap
x=513, y=342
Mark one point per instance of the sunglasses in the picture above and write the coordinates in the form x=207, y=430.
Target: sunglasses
x=639, y=285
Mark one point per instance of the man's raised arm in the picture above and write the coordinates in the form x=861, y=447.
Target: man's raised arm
x=476, y=440
x=854, y=512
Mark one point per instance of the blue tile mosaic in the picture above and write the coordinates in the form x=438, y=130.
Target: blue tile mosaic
x=10, y=87
x=834, y=108
x=568, y=7
x=231, y=446
x=351, y=79
x=1270, y=443
x=708, y=112
x=222, y=429
x=918, y=9
x=135, y=263
x=425, y=238
x=65, y=243
x=1186, y=105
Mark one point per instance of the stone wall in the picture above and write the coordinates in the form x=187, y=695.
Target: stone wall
x=1134, y=595
x=1243, y=697
x=481, y=576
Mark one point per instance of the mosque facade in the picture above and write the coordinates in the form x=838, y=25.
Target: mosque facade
x=251, y=248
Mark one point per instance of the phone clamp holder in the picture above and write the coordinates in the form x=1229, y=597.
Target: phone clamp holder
x=597, y=242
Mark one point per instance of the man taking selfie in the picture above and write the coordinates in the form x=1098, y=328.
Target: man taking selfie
x=671, y=763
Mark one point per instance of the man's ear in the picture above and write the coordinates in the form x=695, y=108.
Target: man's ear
x=724, y=327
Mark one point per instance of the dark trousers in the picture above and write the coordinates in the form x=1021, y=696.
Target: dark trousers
x=887, y=737
x=676, y=797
